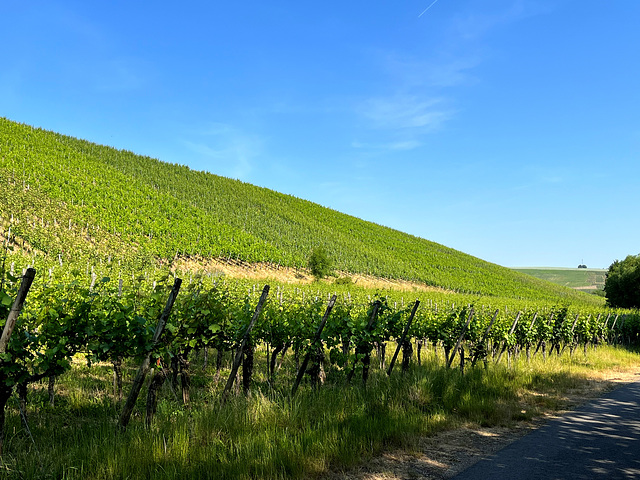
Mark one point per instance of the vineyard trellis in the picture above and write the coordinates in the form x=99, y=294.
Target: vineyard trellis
x=104, y=322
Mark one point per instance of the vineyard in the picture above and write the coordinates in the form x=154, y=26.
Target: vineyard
x=308, y=338
x=65, y=201
x=115, y=363
x=109, y=323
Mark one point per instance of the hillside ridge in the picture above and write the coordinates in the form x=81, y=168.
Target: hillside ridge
x=76, y=201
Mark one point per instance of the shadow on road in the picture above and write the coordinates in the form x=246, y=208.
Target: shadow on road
x=599, y=440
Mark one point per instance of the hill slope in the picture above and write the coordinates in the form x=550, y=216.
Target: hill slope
x=577, y=278
x=76, y=201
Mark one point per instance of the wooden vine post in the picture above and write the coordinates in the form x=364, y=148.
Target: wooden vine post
x=543, y=343
x=460, y=338
x=364, y=348
x=16, y=308
x=152, y=395
x=245, y=339
x=506, y=341
x=125, y=416
x=528, y=347
x=483, y=349
x=612, y=335
x=14, y=313
x=594, y=337
x=316, y=339
x=404, y=336
x=604, y=329
x=620, y=339
x=573, y=327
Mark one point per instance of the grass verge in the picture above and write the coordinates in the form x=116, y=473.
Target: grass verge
x=269, y=434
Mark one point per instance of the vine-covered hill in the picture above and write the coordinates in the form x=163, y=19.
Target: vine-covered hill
x=74, y=201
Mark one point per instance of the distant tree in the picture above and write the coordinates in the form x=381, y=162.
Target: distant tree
x=319, y=263
x=622, y=285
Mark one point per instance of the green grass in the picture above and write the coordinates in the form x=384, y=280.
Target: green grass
x=271, y=435
x=569, y=277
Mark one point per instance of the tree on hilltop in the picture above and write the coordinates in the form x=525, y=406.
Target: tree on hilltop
x=622, y=285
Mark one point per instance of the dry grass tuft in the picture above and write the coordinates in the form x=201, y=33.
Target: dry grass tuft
x=278, y=273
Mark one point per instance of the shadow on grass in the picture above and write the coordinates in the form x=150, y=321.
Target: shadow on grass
x=272, y=435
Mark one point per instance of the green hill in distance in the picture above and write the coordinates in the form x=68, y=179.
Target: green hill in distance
x=70, y=201
x=577, y=278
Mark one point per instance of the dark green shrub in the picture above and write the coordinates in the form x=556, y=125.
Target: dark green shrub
x=622, y=285
x=320, y=263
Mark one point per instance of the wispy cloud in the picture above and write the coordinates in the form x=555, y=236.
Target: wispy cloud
x=421, y=101
x=471, y=24
x=226, y=150
x=424, y=86
x=410, y=71
x=406, y=112
x=401, y=145
x=118, y=74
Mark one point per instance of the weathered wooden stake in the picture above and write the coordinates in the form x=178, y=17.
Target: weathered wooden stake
x=157, y=380
x=117, y=378
x=51, y=390
x=125, y=416
x=505, y=345
x=185, y=379
x=612, y=336
x=381, y=348
x=573, y=327
x=404, y=336
x=542, y=343
x=604, y=328
x=245, y=339
x=366, y=360
x=247, y=365
x=316, y=339
x=407, y=353
x=528, y=347
x=459, y=342
x=484, y=338
x=16, y=308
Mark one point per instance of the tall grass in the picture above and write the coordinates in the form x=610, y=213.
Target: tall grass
x=270, y=434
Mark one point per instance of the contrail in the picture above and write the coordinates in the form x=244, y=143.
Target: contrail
x=425, y=10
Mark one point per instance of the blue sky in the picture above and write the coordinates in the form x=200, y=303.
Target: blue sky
x=506, y=129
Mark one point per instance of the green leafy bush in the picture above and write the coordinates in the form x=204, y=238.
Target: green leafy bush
x=320, y=263
x=622, y=285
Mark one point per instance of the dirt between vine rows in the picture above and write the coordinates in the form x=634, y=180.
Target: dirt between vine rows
x=445, y=454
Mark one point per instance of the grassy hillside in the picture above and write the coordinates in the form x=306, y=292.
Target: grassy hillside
x=578, y=278
x=73, y=201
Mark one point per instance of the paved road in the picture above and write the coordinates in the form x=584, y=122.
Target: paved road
x=601, y=440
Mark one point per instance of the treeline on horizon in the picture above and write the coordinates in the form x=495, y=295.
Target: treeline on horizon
x=68, y=201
